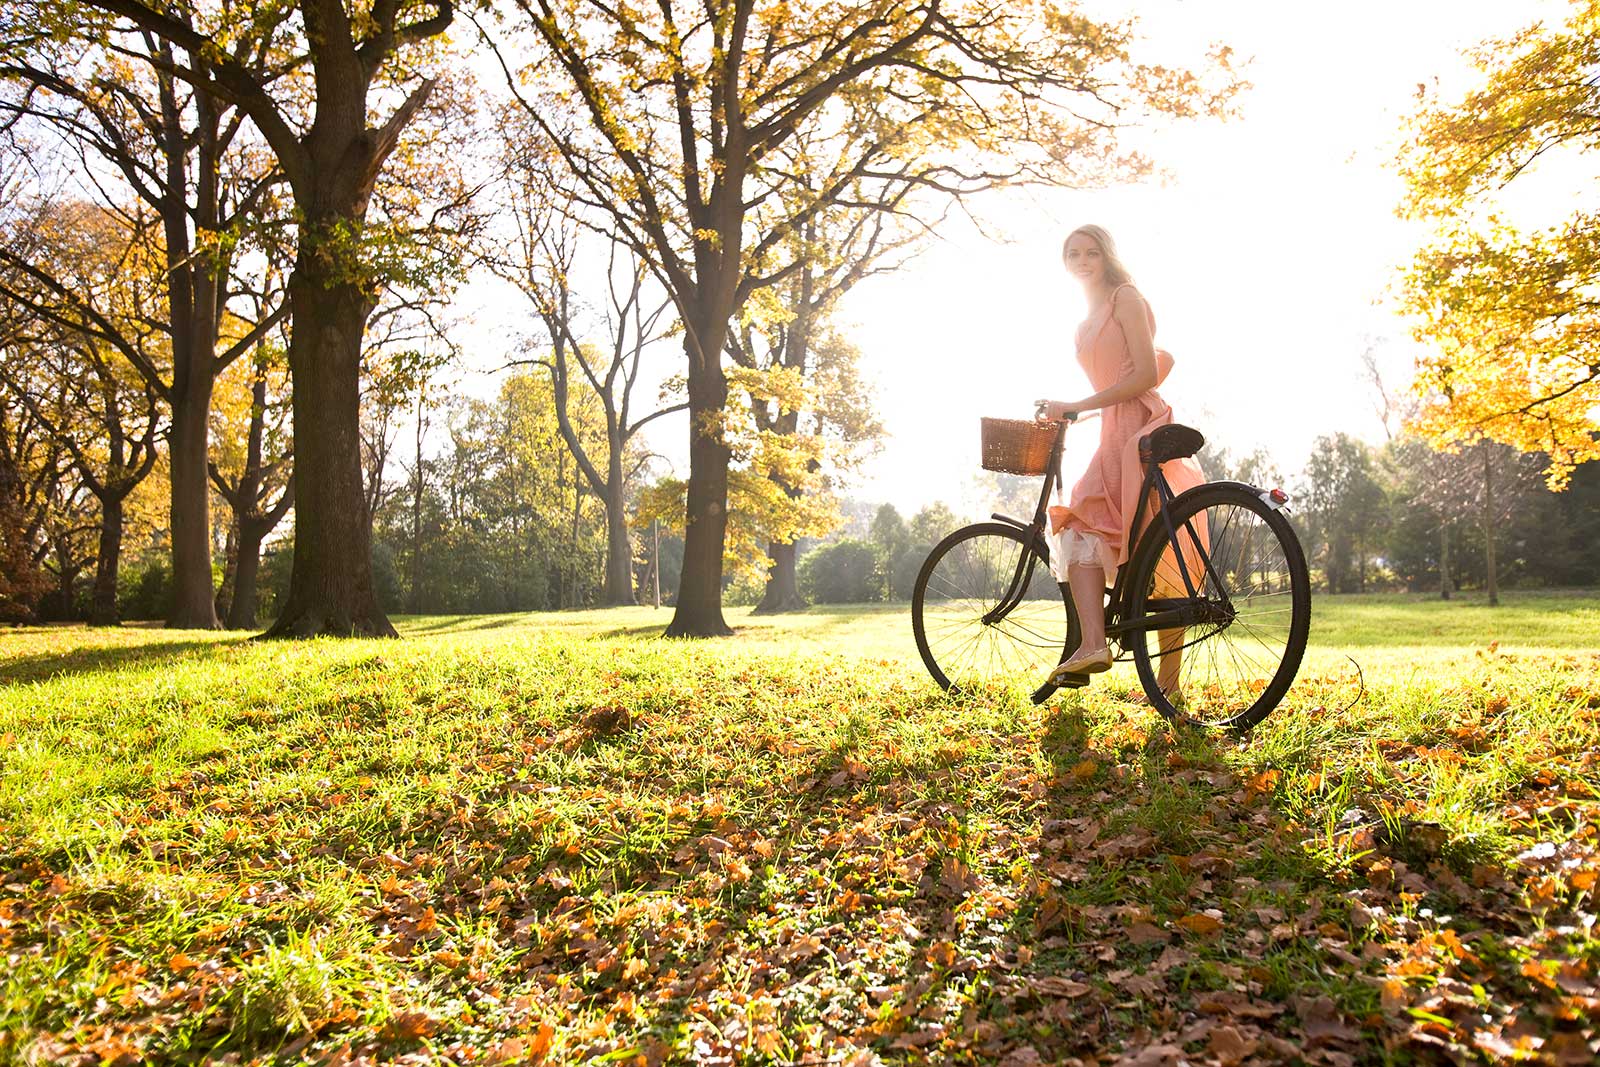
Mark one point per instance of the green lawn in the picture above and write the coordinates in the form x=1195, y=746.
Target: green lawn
x=560, y=838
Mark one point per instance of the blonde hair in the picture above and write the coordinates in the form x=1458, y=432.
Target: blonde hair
x=1116, y=273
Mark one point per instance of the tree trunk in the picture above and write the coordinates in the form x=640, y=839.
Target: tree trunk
x=103, y=606
x=193, y=597
x=619, y=545
x=230, y=567
x=573, y=562
x=699, y=609
x=330, y=585
x=783, y=587
x=242, y=611
x=20, y=579
x=414, y=600
x=1488, y=526
x=1444, y=561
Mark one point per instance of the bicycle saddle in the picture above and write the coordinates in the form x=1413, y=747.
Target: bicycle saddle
x=1170, y=442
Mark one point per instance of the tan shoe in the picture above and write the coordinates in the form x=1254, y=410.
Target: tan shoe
x=1090, y=663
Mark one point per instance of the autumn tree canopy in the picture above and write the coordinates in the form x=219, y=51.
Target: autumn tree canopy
x=1510, y=315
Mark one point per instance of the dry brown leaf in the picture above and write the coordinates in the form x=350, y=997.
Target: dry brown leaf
x=1057, y=986
x=1230, y=1002
x=1393, y=996
x=1201, y=923
x=1229, y=1046
x=410, y=1025
x=1320, y=1019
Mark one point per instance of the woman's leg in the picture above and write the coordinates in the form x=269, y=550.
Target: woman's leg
x=1171, y=664
x=1088, y=595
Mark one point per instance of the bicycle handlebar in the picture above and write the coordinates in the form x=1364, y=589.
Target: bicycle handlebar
x=1039, y=408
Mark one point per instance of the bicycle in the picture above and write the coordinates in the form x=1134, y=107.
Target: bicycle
x=1217, y=578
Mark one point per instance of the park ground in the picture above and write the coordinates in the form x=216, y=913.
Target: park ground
x=558, y=838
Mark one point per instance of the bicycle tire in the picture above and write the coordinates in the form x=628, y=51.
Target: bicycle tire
x=1257, y=563
x=965, y=576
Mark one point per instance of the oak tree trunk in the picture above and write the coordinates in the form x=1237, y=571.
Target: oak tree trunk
x=619, y=545
x=103, y=604
x=699, y=608
x=330, y=586
x=242, y=610
x=193, y=597
x=230, y=567
x=783, y=587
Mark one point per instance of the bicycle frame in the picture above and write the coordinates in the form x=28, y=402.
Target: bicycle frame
x=1171, y=613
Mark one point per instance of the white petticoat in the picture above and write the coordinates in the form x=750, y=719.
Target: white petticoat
x=1075, y=548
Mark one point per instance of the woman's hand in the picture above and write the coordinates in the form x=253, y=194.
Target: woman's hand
x=1047, y=411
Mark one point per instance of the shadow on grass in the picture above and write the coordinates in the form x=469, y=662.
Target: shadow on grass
x=439, y=624
x=1168, y=898
x=43, y=666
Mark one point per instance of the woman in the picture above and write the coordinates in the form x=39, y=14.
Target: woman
x=1116, y=348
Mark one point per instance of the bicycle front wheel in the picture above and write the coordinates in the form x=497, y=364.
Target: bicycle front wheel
x=987, y=612
x=1242, y=637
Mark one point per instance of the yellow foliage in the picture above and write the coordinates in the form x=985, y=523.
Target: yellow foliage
x=1510, y=317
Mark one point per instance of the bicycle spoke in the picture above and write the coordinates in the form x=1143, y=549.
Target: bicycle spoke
x=1237, y=559
x=964, y=583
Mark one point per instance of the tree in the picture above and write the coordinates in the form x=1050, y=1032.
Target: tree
x=1345, y=508
x=890, y=537
x=331, y=165
x=672, y=121
x=806, y=400
x=61, y=365
x=493, y=515
x=257, y=483
x=108, y=426
x=1486, y=483
x=182, y=151
x=796, y=338
x=867, y=228
x=541, y=262
x=1510, y=316
x=763, y=465
x=25, y=481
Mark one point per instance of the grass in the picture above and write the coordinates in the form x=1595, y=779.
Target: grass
x=559, y=838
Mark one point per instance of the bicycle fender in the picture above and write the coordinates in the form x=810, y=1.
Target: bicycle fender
x=1276, y=499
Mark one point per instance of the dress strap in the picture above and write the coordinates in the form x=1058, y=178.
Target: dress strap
x=1111, y=309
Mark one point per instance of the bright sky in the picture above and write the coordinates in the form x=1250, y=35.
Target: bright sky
x=1266, y=255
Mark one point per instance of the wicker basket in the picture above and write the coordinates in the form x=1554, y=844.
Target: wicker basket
x=1017, y=446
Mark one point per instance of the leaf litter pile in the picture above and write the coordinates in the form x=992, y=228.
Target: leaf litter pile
x=526, y=849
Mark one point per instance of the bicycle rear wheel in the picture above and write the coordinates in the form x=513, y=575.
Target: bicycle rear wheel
x=1246, y=631
x=975, y=627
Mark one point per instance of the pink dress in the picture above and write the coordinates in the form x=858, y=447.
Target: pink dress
x=1103, y=502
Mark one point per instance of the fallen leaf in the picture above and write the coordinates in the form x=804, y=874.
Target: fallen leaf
x=1201, y=923
x=1057, y=986
x=410, y=1025
x=1320, y=1018
x=1229, y=1046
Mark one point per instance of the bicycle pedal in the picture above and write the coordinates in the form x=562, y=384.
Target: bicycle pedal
x=1072, y=681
